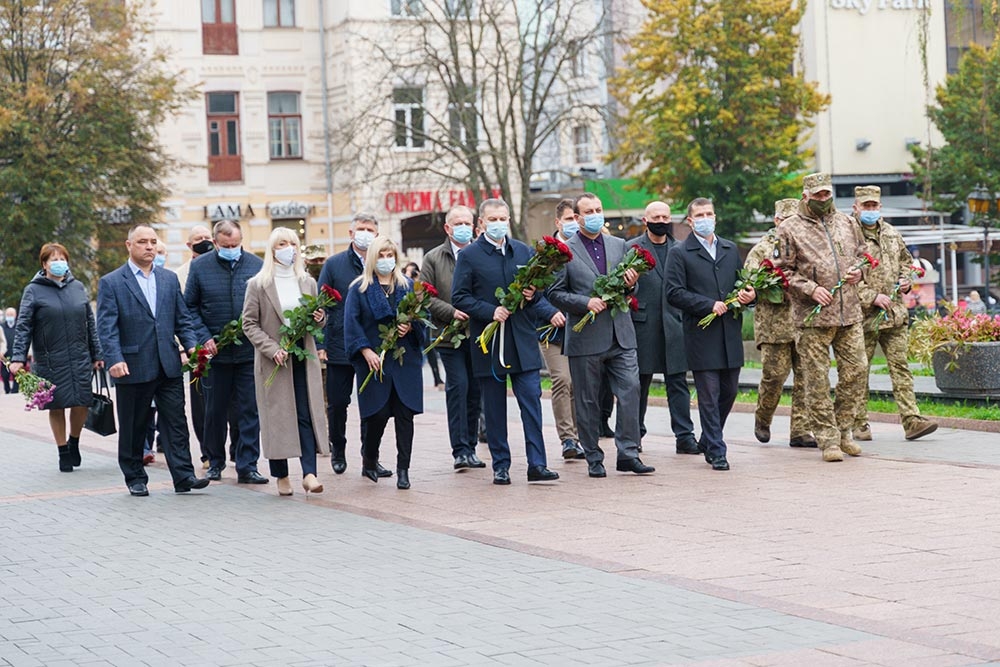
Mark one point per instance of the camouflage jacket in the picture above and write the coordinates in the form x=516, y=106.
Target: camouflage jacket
x=885, y=244
x=816, y=252
x=770, y=320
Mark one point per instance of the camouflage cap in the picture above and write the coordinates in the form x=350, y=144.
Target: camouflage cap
x=313, y=252
x=785, y=208
x=866, y=193
x=817, y=182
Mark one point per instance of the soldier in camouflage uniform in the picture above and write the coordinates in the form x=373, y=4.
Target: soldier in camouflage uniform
x=818, y=247
x=776, y=341
x=886, y=318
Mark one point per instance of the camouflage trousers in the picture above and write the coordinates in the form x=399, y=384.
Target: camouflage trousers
x=894, y=343
x=829, y=419
x=777, y=360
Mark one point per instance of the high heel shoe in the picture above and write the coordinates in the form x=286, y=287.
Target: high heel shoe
x=284, y=487
x=402, y=478
x=370, y=473
x=311, y=484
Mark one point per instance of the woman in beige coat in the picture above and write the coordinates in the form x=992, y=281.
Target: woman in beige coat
x=293, y=404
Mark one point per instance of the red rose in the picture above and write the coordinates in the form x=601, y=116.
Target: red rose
x=784, y=278
x=633, y=302
x=919, y=271
x=549, y=240
x=564, y=249
x=202, y=354
x=430, y=289
x=871, y=260
x=646, y=256
x=767, y=264
x=332, y=293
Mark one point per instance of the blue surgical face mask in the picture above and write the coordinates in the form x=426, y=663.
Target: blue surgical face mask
x=230, y=254
x=10, y=321
x=704, y=227
x=593, y=222
x=385, y=265
x=363, y=238
x=569, y=229
x=461, y=233
x=160, y=261
x=869, y=218
x=497, y=230
x=59, y=267
x=285, y=256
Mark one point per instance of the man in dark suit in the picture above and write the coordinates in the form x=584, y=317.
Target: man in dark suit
x=659, y=334
x=701, y=272
x=139, y=312
x=339, y=271
x=9, y=320
x=606, y=345
x=488, y=263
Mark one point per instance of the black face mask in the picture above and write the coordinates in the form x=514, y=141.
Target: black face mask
x=203, y=247
x=658, y=228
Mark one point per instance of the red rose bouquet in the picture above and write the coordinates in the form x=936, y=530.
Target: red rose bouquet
x=866, y=260
x=412, y=308
x=612, y=288
x=540, y=272
x=769, y=281
x=302, y=322
x=200, y=361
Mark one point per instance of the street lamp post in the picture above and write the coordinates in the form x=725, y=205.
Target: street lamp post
x=979, y=202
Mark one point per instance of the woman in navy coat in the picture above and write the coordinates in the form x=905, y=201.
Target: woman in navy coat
x=397, y=392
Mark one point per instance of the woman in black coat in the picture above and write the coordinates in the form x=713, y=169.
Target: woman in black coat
x=57, y=323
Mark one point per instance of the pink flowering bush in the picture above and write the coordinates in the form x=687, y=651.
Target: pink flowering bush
x=951, y=334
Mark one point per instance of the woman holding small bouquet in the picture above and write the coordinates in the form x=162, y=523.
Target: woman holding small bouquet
x=57, y=321
x=396, y=388
x=292, y=402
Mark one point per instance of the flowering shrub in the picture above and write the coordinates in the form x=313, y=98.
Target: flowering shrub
x=951, y=333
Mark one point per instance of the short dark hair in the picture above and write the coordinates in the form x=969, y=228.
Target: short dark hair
x=585, y=195
x=140, y=225
x=50, y=249
x=698, y=201
x=496, y=202
x=563, y=205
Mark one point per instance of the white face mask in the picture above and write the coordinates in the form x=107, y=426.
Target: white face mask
x=285, y=256
x=363, y=239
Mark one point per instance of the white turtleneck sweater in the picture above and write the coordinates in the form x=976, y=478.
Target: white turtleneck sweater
x=288, y=288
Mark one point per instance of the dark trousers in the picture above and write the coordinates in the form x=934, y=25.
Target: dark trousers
x=402, y=419
x=151, y=428
x=606, y=398
x=461, y=394
x=339, y=385
x=9, y=383
x=527, y=388
x=307, y=437
x=432, y=361
x=620, y=366
x=134, y=403
x=716, y=395
x=225, y=387
x=678, y=400
x=198, y=416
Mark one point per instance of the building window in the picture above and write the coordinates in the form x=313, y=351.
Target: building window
x=284, y=123
x=577, y=58
x=463, y=121
x=581, y=144
x=965, y=24
x=406, y=7
x=225, y=163
x=408, y=109
x=279, y=13
x=218, y=27
x=460, y=9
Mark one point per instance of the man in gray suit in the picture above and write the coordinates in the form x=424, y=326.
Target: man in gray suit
x=606, y=345
x=659, y=334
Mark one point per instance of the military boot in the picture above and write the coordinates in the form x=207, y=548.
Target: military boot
x=832, y=454
x=761, y=431
x=863, y=433
x=918, y=428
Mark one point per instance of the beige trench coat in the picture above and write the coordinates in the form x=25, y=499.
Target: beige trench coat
x=262, y=319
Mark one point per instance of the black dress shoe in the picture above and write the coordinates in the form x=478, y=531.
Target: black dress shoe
x=568, y=449
x=402, y=479
x=541, y=474
x=688, y=447
x=214, y=474
x=501, y=477
x=720, y=464
x=339, y=466
x=382, y=472
x=474, y=461
x=252, y=477
x=461, y=462
x=190, y=483
x=138, y=489
x=596, y=469
x=633, y=465
x=370, y=473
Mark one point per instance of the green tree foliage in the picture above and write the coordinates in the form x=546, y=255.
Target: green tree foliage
x=714, y=108
x=82, y=92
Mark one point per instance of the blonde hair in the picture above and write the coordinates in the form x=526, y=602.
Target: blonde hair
x=266, y=275
x=367, y=276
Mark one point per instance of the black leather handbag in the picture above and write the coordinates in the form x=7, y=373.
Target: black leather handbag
x=101, y=415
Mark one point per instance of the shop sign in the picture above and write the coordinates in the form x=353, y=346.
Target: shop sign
x=427, y=201
x=228, y=211
x=864, y=6
x=287, y=210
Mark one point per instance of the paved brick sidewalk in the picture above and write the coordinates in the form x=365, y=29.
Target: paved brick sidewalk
x=685, y=566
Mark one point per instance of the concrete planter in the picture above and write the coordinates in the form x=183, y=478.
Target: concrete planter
x=976, y=373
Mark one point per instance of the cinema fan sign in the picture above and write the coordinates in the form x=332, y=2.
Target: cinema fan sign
x=430, y=201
